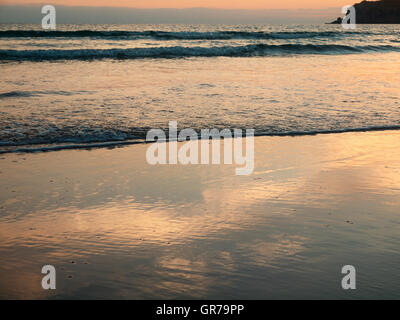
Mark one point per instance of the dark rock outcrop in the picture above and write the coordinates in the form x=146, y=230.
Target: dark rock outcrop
x=376, y=12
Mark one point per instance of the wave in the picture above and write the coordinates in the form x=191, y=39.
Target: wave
x=164, y=35
x=186, y=52
x=34, y=148
x=16, y=94
x=27, y=94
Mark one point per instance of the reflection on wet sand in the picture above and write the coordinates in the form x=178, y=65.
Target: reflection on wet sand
x=116, y=227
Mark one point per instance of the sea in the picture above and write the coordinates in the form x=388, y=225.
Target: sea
x=85, y=86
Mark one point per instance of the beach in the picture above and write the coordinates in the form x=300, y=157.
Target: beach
x=79, y=108
x=116, y=227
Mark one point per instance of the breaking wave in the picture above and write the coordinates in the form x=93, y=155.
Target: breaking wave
x=186, y=52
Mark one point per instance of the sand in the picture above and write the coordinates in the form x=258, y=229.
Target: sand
x=116, y=227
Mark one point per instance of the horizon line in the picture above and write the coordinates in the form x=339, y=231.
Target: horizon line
x=166, y=8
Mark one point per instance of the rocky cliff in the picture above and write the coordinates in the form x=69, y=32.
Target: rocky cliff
x=376, y=12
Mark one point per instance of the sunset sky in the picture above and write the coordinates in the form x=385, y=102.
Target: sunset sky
x=223, y=4
x=170, y=11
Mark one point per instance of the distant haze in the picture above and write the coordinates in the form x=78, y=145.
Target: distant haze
x=220, y=4
x=121, y=15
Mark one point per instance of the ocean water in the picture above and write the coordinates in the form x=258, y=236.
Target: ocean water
x=96, y=85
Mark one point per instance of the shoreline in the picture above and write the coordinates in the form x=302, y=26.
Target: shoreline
x=130, y=142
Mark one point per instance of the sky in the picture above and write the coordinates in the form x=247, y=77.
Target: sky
x=221, y=4
x=176, y=11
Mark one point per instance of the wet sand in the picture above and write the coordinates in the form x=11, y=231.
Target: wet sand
x=116, y=227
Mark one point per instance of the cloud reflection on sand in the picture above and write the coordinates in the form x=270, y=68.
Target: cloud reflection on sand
x=135, y=231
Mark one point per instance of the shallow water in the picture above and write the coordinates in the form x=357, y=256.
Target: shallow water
x=125, y=229
x=113, y=83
